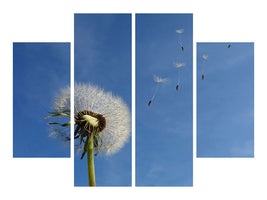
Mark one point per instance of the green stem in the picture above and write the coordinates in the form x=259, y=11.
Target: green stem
x=90, y=161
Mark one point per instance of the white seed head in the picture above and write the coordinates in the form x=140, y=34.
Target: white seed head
x=61, y=102
x=205, y=56
x=114, y=110
x=157, y=79
x=178, y=65
x=180, y=31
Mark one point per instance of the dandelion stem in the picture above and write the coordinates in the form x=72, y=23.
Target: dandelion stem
x=90, y=161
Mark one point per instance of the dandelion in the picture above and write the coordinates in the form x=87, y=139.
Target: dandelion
x=158, y=80
x=179, y=65
x=102, y=122
x=205, y=57
x=180, y=31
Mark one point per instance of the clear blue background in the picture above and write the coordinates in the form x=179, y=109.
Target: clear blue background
x=40, y=71
x=164, y=131
x=225, y=100
x=102, y=51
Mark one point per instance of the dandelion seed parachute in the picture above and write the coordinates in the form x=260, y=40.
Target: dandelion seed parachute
x=205, y=57
x=179, y=65
x=158, y=80
x=90, y=104
x=180, y=31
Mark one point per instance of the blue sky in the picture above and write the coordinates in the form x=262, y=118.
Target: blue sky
x=102, y=56
x=164, y=131
x=40, y=71
x=225, y=100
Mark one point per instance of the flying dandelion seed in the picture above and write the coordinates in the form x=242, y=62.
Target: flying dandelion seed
x=158, y=80
x=180, y=31
x=179, y=65
x=205, y=57
x=229, y=46
x=102, y=121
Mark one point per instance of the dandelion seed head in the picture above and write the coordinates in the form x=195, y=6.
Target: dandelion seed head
x=157, y=79
x=103, y=112
x=180, y=31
